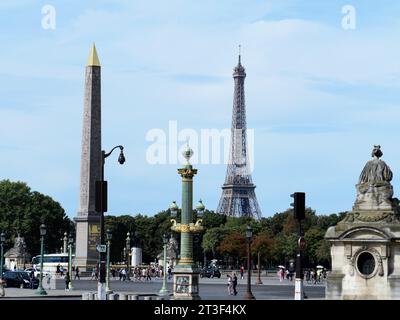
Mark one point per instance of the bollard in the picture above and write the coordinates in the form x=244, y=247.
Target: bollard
x=123, y=296
x=115, y=296
x=91, y=296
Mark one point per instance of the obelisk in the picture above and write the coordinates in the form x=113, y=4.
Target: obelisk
x=87, y=219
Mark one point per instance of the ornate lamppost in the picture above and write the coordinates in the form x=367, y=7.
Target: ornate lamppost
x=40, y=290
x=70, y=244
x=109, y=237
x=259, y=268
x=163, y=290
x=186, y=273
x=65, y=241
x=128, y=251
x=249, y=235
x=101, y=207
x=2, y=240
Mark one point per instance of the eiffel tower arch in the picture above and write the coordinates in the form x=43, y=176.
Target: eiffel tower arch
x=238, y=197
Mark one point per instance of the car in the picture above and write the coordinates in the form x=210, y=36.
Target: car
x=210, y=272
x=37, y=272
x=19, y=279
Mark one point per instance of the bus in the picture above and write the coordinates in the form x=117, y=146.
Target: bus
x=51, y=261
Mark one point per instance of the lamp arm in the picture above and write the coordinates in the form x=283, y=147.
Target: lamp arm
x=108, y=154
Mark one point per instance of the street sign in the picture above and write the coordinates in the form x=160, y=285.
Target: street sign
x=101, y=248
x=302, y=243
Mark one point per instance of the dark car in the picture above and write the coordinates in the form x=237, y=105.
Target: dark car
x=19, y=279
x=210, y=272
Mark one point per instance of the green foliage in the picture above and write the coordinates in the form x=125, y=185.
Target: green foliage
x=22, y=211
x=274, y=237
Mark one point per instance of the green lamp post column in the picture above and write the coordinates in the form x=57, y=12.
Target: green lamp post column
x=163, y=290
x=109, y=237
x=186, y=273
x=70, y=244
x=40, y=290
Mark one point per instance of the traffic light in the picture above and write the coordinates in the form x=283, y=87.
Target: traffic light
x=299, y=205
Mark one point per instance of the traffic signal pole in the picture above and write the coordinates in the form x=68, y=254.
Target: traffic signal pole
x=299, y=214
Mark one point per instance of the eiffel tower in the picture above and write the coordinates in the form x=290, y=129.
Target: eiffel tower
x=238, y=197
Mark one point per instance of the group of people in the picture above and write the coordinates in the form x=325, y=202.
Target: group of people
x=315, y=276
x=310, y=275
x=232, y=284
x=288, y=274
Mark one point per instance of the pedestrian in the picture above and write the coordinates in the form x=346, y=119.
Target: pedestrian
x=93, y=274
x=96, y=274
x=58, y=269
x=61, y=271
x=148, y=277
x=230, y=284
x=169, y=273
x=242, y=272
x=123, y=274
x=67, y=281
x=32, y=279
x=234, y=283
x=77, y=274
x=281, y=274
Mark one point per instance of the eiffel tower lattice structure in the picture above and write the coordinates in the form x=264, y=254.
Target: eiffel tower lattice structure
x=238, y=196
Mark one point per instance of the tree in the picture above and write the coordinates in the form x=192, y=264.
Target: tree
x=313, y=238
x=262, y=244
x=22, y=211
x=233, y=246
x=213, y=220
x=211, y=240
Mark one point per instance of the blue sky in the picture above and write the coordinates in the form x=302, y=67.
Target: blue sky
x=318, y=96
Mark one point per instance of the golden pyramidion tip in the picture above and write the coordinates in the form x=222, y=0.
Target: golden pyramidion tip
x=93, y=57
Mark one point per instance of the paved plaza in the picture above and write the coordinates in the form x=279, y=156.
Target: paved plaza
x=210, y=289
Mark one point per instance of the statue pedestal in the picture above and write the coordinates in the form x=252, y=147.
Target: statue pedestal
x=365, y=256
x=186, y=283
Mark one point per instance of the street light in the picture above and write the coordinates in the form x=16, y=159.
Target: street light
x=70, y=244
x=186, y=272
x=109, y=238
x=101, y=207
x=164, y=290
x=65, y=240
x=2, y=239
x=128, y=250
x=40, y=290
x=249, y=235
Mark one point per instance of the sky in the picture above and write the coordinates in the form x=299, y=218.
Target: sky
x=321, y=90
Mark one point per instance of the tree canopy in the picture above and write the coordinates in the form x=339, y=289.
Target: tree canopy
x=22, y=211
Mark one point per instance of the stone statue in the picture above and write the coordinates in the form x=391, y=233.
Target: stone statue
x=374, y=190
x=376, y=170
